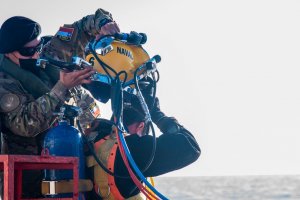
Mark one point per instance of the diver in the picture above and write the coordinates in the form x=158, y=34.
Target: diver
x=176, y=147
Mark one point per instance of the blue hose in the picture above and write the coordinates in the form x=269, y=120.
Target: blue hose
x=136, y=169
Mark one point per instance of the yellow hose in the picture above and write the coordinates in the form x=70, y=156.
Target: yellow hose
x=152, y=183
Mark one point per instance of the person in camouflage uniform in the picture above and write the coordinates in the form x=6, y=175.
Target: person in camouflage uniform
x=29, y=96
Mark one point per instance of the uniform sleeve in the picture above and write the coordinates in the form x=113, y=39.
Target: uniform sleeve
x=91, y=24
x=71, y=39
x=27, y=117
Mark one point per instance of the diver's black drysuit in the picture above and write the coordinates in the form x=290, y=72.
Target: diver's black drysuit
x=176, y=148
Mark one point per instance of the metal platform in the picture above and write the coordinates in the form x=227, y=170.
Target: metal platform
x=13, y=166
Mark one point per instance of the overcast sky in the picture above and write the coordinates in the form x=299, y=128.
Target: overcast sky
x=229, y=73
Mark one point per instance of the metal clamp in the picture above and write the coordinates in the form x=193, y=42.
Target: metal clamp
x=80, y=62
x=52, y=189
x=103, y=196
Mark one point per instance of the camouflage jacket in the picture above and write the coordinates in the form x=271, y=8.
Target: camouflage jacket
x=26, y=115
x=23, y=116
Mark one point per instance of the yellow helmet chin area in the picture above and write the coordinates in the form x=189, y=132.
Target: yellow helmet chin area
x=119, y=56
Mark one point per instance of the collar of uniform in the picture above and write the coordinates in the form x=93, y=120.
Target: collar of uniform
x=29, y=81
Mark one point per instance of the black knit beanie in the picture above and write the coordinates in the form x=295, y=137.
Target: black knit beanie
x=16, y=31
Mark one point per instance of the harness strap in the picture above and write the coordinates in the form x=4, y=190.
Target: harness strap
x=104, y=184
x=111, y=179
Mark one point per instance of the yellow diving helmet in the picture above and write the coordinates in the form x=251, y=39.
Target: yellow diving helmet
x=110, y=55
x=119, y=56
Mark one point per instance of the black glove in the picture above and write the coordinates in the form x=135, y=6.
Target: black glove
x=155, y=112
x=147, y=89
x=168, y=125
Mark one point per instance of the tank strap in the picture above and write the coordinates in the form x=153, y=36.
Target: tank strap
x=65, y=186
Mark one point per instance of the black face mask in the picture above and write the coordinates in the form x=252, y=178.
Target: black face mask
x=29, y=65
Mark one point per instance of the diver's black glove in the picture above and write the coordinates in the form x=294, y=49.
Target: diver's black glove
x=167, y=125
x=155, y=112
x=146, y=86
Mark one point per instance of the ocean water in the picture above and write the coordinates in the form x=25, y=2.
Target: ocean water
x=230, y=187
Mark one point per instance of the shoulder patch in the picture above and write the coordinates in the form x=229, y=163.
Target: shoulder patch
x=65, y=34
x=9, y=102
